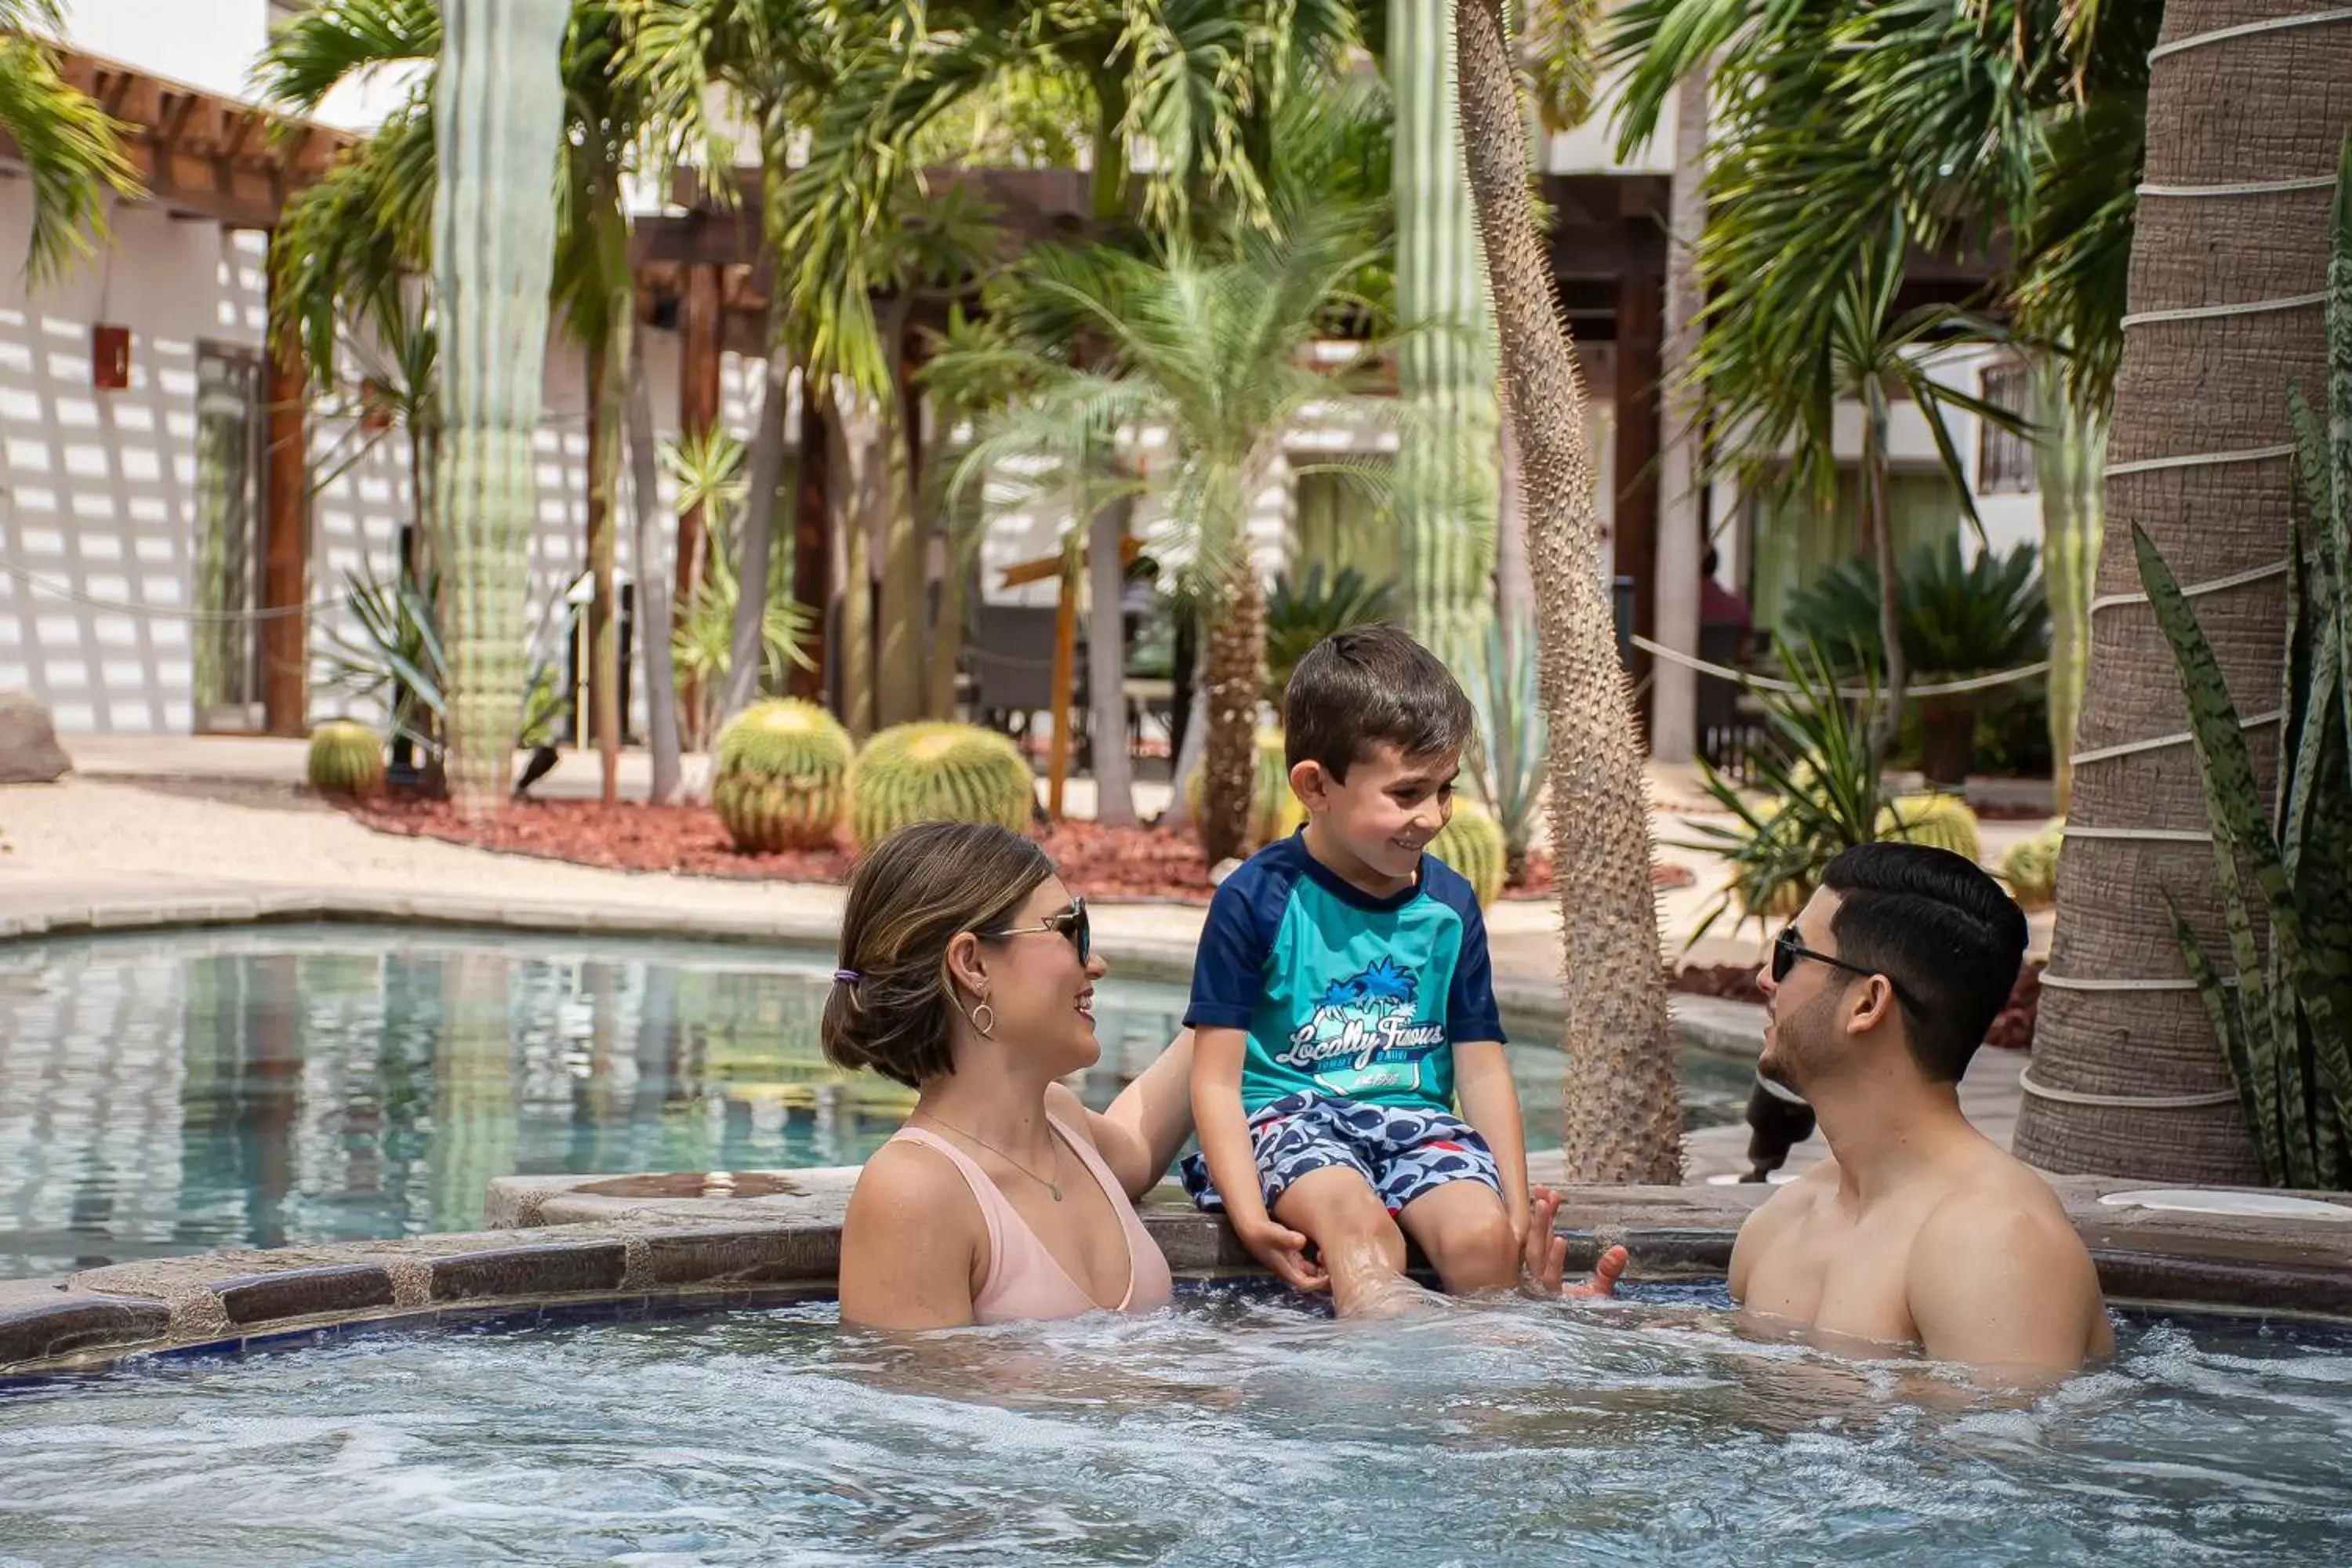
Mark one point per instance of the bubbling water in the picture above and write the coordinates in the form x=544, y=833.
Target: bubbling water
x=1235, y=1428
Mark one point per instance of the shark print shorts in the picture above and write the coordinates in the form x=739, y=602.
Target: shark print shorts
x=1401, y=1152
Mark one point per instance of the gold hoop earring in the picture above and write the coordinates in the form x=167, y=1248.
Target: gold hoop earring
x=989, y=1028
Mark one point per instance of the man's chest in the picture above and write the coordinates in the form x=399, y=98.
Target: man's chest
x=1838, y=1277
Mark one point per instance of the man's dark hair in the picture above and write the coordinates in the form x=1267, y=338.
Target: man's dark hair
x=1370, y=685
x=1941, y=929
x=1706, y=567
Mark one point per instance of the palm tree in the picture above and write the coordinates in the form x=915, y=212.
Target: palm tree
x=68, y=145
x=1201, y=80
x=1211, y=349
x=1624, y=1115
x=2122, y=1037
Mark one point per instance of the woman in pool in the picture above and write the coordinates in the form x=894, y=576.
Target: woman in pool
x=967, y=973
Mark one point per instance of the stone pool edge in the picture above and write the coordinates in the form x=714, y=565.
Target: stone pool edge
x=556, y=1249
x=1710, y=1024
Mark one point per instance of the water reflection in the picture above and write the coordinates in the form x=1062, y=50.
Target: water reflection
x=261, y=1088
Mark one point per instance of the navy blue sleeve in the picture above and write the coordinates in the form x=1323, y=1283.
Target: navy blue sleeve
x=1470, y=1010
x=1229, y=967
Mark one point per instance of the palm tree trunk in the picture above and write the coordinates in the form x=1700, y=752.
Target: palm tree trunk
x=1232, y=689
x=853, y=498
x=746, y=651
x=1447, y=464
x=1878, y=529
x=1106, y=663
x=1624, y=1112
x=652, y=586
x=1673, y=703
x=606, y=367
x=2264, y=106
x=899, y=622
x=498, y=116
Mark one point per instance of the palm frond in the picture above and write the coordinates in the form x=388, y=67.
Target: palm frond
x=69, y=146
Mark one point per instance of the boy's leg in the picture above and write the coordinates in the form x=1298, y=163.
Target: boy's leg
x=1461, y=1230
x=1362, y=1249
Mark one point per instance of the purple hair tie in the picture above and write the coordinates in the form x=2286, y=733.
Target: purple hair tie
x=844, y=977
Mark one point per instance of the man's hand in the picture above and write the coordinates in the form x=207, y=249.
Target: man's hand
x=1282, y=1249
x=1543, y=1257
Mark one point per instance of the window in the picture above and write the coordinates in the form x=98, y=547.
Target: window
x=229, y=431
x=2004, y=457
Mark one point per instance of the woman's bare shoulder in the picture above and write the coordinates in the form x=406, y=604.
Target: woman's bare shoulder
x=904, y=1179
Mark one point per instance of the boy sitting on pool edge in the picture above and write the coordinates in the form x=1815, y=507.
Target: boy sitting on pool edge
x=1341, y=995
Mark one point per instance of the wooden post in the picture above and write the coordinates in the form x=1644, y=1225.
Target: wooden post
x=285, y=549
x=811, y=543
x=1065, y=675
x=1634, y=536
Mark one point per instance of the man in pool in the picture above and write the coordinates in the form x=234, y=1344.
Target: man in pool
x=1917, y=1230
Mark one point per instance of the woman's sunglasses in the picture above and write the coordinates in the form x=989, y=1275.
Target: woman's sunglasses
x=1070, y=922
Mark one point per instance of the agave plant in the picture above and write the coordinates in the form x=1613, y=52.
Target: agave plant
x=1514, y=745
x=398, y=657
x=1821, y=770
x=2284, y=1017
x=1300, y=613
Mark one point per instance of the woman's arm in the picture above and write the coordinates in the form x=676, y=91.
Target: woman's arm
x=912, y=1243
x=1140, y=1134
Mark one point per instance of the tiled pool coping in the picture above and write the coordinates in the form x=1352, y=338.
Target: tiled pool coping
x=561, y=1248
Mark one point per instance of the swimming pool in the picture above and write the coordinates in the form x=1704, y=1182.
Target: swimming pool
x=1235, y=1428
x=275, y=1086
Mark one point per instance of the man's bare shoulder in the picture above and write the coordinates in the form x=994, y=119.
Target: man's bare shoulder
x=1996, y=1276
x=1770, y=1222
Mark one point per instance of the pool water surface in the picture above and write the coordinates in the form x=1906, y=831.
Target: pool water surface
x=279, y=1085
x=1232, y=1430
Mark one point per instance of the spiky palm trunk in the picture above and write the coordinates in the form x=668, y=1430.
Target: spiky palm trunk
x=1448, y=460
x=1231, y=689
x=498, y=116
x=1624, y=1114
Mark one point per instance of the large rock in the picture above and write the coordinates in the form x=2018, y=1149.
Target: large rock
x=29, y=753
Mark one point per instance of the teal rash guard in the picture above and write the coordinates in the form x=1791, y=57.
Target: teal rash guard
x=1342, y=993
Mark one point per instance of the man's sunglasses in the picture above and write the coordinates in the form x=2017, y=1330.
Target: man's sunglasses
x=1070, y=922
x=1787, y=948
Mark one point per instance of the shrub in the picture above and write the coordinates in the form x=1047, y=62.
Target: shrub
x=345, y=758
x=939, y=773
x=782, y=780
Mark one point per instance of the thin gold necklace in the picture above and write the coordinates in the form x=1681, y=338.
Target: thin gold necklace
x=1053, y=1187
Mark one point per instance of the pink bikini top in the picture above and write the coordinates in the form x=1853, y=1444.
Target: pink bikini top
x=1025, y=1282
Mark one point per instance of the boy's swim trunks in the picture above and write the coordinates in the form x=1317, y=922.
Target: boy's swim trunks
x=1401, y=1152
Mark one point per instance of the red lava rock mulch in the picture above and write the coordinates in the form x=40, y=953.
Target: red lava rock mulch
x=2012, y=1029
x=1108, y=864
x=632, y=836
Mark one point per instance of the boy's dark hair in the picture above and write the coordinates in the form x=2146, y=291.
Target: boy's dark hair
x=1368, y=686
x=1942, y=929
